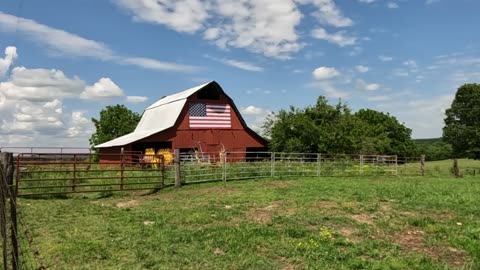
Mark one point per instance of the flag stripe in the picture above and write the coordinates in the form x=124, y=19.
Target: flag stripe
x=209, y=116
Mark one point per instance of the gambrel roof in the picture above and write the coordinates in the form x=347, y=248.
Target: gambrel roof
x=163, y=115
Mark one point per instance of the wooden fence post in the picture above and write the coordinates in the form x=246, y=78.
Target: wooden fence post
x=176, y=161
x=3, y=211
x=422, y=165
x=456, y=170
x=9, y=189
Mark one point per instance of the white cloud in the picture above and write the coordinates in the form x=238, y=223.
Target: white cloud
x=328, y=13
x=239, y=64
x=252, y=110
x=136, y=99
x=105, y=88
x=180, y=15
x=385, y=58
x=362, y=69
x=323, y=73
x=329, y=90
x=399, y=72
x=153, y=64
x=5, y=63
x=80, y=126
x=410, y=64
x=392, y=5
x=267, y=27
x=363, y=86
x=340, y=38
x=60, y=42
x=40, y=85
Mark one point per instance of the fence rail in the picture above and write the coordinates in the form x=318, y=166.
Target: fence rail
x=66, y=173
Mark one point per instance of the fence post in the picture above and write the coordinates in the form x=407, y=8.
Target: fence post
x=224, y=163
x=7, y=171
x=272, y=159
x=176, y=161
x=456, y=170
x=396, y=165
x=319, y=164
x=122, y=160
x=422, y=165
x=3, y=211
x=361, y=165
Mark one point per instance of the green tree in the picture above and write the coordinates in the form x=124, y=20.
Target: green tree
x=383, y=133
x=333, y=129
x=114, y=121
x=462, y=122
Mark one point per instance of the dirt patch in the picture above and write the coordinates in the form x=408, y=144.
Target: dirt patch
x=363, y=218
x=350, y=234
x=265, y=214
x=277, y=184
x=220, y=191
x=127, y=204
x=414, y=240
x=327, y=204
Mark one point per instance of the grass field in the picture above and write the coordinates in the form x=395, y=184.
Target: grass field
x=297, y=223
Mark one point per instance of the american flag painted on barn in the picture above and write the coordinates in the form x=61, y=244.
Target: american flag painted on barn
x=209, y=115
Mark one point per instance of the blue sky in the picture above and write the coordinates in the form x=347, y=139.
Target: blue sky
x=66, y=60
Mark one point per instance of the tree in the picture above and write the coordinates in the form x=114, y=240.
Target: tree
x=115, y=121
x=462, y=122
x=333, y=129
x=386, y=133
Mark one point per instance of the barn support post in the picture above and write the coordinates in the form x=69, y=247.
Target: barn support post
x=176, y=163
x=422, y=165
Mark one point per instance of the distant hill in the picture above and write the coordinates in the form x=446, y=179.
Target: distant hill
x=428, y=141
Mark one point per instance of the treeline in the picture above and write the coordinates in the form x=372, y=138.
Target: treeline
x=334, y=129
x=434, y=149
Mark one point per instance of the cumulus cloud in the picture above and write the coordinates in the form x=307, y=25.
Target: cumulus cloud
x=328, y=13
x=340, y=38
x=40, y=85
x=323, y=73
x=363, y=86
x=267, y=27
x=5, y=63
x=33, y=111
x=136, y=99
x=252, y=110
x=362, y=69
x=103, y=89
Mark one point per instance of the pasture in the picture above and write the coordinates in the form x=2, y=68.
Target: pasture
x=373, y=222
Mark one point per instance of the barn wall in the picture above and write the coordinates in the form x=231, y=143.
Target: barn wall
x=111, y=154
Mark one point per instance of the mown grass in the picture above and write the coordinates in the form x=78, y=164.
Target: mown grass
x=294, y=223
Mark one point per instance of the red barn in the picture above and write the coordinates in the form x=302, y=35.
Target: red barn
x=202, y=118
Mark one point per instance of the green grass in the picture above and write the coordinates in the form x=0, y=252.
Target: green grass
x=294, y=223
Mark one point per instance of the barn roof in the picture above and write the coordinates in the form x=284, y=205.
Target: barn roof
x=167, y=109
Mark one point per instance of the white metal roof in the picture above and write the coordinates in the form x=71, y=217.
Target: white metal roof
x=158, y=117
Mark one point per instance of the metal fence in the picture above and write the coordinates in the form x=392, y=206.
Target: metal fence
x=65, y=173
